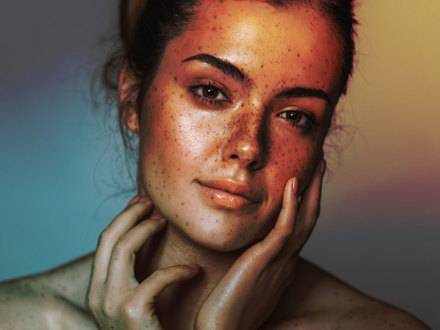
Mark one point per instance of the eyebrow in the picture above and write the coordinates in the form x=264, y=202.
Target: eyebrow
x=304, y=92
x=226, y=67
x=237, y=74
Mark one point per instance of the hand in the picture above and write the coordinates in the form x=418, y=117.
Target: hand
x=248, y=293
x=115, y=298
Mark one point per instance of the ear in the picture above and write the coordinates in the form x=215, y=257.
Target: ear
x=126, y=100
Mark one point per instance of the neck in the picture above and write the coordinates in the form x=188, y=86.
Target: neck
x=172, y=247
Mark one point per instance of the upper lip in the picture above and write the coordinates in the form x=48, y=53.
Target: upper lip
x=232, y=187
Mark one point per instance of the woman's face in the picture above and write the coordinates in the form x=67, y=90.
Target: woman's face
x=240, y=104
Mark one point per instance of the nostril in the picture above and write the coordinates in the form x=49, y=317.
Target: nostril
x=234, y=156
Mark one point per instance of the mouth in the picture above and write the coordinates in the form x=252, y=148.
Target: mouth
x=228, y=194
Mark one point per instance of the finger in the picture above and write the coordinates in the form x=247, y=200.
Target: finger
x=286, y=219
x=121, y=266
x=146, y=293
x=135, y=199
x=273, y=243
x=309, y=207
x=119, y=226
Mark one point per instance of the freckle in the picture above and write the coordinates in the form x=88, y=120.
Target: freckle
x=288, y=50
x=262, y=65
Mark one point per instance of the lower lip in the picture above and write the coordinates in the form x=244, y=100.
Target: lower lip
x=226, y=199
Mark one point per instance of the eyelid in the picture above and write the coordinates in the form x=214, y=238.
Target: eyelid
x=207, y=81
x=307, y=116
x=310, y=114
x=205, y=102
x=201, y=82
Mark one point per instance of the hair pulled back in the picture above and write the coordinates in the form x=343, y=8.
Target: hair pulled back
x=146, y=27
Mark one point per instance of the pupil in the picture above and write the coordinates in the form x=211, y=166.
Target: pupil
x=294, y=116
x=210, y=92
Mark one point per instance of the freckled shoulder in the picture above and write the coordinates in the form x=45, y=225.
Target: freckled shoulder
x=50, y=300
x=318, y=300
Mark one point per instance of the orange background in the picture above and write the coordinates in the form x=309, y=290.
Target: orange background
x=391, y=171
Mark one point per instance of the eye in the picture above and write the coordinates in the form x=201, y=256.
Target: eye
x=298, y=118
x=209, y=95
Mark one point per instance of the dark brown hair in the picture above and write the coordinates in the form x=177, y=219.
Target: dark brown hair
x=146, y=27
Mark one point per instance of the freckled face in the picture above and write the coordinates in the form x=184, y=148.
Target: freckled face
x=240, y=104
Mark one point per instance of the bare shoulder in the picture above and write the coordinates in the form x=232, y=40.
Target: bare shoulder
x=318, y=300
x=47, y=300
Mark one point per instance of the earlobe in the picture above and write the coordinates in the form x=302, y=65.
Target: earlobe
x=131, y=120
x=126, y=100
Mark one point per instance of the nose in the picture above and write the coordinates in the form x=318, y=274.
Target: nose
x=245, y=144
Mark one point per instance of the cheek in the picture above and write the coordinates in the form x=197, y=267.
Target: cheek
x=176, y=141
x=292, y=157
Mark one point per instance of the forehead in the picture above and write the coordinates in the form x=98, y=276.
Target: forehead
x=295, y=44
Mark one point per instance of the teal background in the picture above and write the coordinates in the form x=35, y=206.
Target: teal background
x=60, y=168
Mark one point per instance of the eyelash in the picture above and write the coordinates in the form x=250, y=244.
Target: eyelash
x=197, y=92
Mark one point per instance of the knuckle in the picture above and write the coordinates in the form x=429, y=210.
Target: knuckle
x=103, y=237
x=284, y=233
x=158, y=274
x=130, y=310
x=92, y=303
x=108, y=309
x=120, y=249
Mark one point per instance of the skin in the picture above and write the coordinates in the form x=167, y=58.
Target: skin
x=207, y=263
x=245, y=138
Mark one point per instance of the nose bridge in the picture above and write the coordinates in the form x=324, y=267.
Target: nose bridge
x=245, y=143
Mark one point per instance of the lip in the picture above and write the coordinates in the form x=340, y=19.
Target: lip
x=228, y=193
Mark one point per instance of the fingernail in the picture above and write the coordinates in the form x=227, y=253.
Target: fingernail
x=194, y=265
x=135, y=199
x=323, y=166
x=144, y=199
x=295, y=185
x=156, y=215
x=160, y=220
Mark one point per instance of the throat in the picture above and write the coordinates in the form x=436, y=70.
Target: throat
x=178, y=304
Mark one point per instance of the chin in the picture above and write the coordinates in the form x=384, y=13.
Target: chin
x=222, y=236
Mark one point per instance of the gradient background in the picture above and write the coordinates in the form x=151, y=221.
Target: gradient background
x=60, y=164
